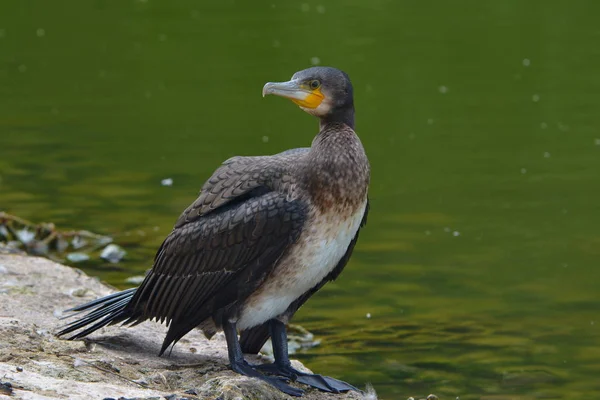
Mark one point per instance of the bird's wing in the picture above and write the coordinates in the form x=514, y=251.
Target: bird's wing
x=252, y=340
x=239, y=178
x=221, y=248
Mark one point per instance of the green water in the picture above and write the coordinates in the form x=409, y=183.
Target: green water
x=479, y=264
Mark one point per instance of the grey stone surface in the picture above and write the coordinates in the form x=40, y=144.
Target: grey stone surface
x=115, y=362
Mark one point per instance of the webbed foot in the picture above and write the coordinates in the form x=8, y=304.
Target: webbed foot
x=280, y=383
x=323, y=383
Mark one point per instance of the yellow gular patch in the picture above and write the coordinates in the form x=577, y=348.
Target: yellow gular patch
x=312, y=100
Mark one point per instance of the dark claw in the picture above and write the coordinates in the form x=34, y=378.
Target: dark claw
x=277, y=382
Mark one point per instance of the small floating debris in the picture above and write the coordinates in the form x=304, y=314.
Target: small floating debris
x=113, y=253
x=526, y=62
x=430, y=397
x=77, y=257
x=20, y=235
x=167, y=182
x=135, y=280
x=298, y=338
x=25, y=235
x=78, y=242
x=368, y=315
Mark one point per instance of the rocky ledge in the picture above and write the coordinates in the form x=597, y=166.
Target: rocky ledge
x=114, y=363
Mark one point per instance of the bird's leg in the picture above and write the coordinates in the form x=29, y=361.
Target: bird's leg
x=239, y=365
x=283, y=367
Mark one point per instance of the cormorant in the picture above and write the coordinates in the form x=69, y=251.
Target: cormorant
x=264, y=235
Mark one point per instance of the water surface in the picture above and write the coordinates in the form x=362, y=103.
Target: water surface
x=478, y=267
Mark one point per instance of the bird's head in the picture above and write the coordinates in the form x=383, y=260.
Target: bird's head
x=324, y=92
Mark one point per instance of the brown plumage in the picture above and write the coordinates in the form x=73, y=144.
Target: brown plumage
x=263, y=236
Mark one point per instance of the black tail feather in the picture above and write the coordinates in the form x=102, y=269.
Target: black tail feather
x=177, y=330
x=94, y=316
x=106, y=310
x=99, y=303
x=253, y=339
x=103, y=300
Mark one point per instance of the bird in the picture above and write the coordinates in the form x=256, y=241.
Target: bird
x=263, y=236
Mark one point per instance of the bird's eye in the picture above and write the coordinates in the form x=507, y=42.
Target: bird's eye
x=314, y=84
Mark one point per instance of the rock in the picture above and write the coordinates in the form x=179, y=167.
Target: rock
x=115, y=362
x=77, y=257
x=113, y=253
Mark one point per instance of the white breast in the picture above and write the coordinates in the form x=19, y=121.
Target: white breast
x=319, y=249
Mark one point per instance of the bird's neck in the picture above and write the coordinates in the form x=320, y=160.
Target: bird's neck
x=337, y=170
x=343, y=115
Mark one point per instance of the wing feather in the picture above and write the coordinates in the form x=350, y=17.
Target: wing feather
x=222, y=246
x=195, y=273
x=240, y=176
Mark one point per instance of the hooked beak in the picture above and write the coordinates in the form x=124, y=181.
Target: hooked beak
x=296, y=91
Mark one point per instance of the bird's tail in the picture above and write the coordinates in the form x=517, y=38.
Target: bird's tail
x=106, y=310
x=253, y=339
